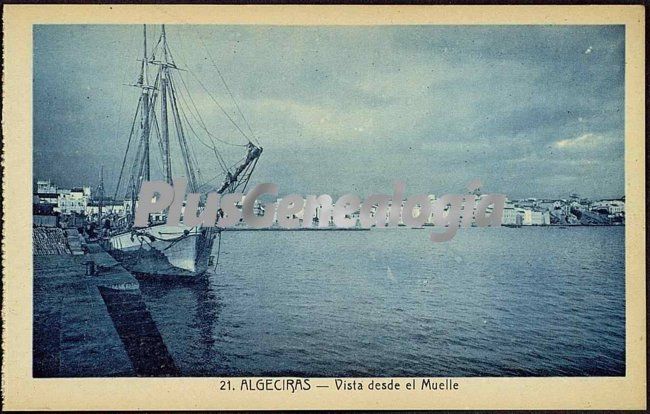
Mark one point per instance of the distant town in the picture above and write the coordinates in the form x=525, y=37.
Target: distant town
x=61, y=207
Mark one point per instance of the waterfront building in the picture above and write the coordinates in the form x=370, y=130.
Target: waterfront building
x=46, y=193
x=43, y=215
x=75, y=201
x=613, y=207
x=528, y=203
x=47, y=198
x=536, y=218
x=108, y=207
x=509, y=215
x=546, y=204
x=45, y=186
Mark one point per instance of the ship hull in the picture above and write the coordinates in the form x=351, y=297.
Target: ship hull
x=164, y=251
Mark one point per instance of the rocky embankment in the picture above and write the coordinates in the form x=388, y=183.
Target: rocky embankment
x=580, y=218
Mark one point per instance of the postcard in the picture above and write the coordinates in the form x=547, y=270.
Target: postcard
x=323, y=207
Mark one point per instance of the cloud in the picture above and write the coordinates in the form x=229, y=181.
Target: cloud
x=583, y=141
x=437, y=106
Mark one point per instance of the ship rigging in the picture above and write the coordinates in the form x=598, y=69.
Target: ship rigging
x=161, y=135
x=169, y=91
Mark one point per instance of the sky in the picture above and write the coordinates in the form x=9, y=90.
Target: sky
x=530, y=111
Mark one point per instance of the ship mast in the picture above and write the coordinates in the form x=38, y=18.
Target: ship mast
x=132, y=201
x=163, y=109
x=101, y=195
x=176, y=107
x=169, y=102
x=145, y=109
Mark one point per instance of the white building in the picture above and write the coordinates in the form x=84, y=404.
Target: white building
x=612, y=206
x=525, y=216
x=46, y=193
x=74, y=201
x=536, y=218
x=509, y=215
x=45, y=186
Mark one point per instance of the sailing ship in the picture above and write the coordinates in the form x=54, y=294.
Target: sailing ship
x=164, y=109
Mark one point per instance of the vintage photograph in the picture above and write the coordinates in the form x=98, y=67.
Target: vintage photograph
x=535, y=113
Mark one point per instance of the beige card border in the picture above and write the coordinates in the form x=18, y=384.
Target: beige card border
x=22, y=392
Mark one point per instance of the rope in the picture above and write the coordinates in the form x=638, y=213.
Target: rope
x=225, y=84
x=220, y=160
x=120, y=104
x=200, y=119
x=218, y=251
x=144, y=236
x=215, y=101
x=128, y=145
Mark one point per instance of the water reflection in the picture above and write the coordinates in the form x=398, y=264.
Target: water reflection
x=186, y=314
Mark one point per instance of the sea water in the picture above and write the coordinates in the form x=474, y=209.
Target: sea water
x=532, y=301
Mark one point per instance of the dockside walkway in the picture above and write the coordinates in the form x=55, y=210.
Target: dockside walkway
x=90, y=319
